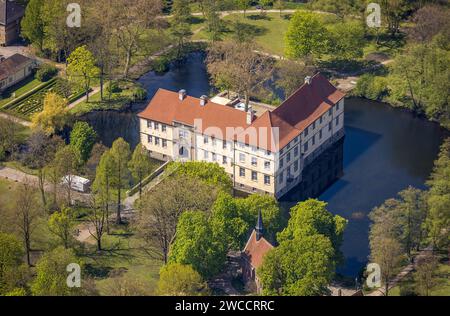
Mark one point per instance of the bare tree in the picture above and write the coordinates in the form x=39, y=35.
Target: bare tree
x=161, y=207
x=425, y=276
x=27, y=211
x=291, y=75
x=238, y=66
x=98, y=219
x=429, y=21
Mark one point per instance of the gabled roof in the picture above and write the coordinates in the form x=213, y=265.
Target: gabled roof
x=274, y=130
x=255, y=250
x=12, y=64
x=309, y=102
x=10, y=12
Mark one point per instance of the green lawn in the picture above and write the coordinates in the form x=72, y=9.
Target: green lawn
x=19, y=89
x=441, y=289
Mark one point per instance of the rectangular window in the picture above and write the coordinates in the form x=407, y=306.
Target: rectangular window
x=164, y=143
x=296, y=151
x=337, y=121
x=321, y=120
x=156, y=126
x=224, y=160
x=254, y=176
x=224, y=145
x=205, y=154
x=242, y=157
x=330, y=126
x=149, y=124
x=156, y=141
x=306, y=131
x=288, y=157
x=280, y=180
x=214, y=142
x=320, y=134
x=242, y=172
x=163, y=128
x=295, y=167
x=314, y=140
x=267, y=180
x=267, y=165
x=337, y=106
x=254, y=161
x=314, y=125
x=281, y=162
x=330, y=112
x=205, y=139
x=214, y=157
x=150, y=139
x=305, y=147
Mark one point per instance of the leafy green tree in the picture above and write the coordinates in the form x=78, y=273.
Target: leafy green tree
x=306, y=36
x=32, y=24
x=341, y=8
x=437, y=221
x=311, y=217
x=61, y=224
x=51, y=274
x=346, y=40
x=102, y=183
x=82, y=67
x=140, y=165
x=302, y=266
x=180, y=280
x=82, y=139
x=120, y=154
x=243, y=5
x=425, y=275
x=11, y=254
x=181, y=11
x=196, y=245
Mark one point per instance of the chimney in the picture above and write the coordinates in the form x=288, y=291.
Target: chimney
x=249, y=116
x=259, y=227
x=203, y=100
x=308, y=80
x=182, y=94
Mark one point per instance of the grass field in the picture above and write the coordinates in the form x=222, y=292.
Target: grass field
x=19, y=89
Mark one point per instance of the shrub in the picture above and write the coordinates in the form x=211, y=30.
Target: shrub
x=46, y=72
x=160, y=64
x=371, y=87
x=140, y=94
x=114, y=87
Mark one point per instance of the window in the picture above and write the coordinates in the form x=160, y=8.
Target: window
x=267, y=180
x=150, y=139
x=224, y=145
x=156, y=125
x=267, y=165
x=242, y=157
x=330, y=126
x=281, y=178
x=254, y=176
x=321, y=120
x=296, y=151
x=254, y=161
x=213, y=142
x=242, y=172
x=337, y=121
x=305, y=147
x=314, y=125
x=205, y=139
x=296, y=166
x=330, y=112
x=267, y=153
x=164, y=143
x=288, y=157
x=306, y=131
x=320, y=134
x=224, y=160
x=314, y=140
x=214, y=157
x=205, y=154
x=163, y=128
x=156, y=141
x=281, y=162
x=149, y=124
x=337, y=106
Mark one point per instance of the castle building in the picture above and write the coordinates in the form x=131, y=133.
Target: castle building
x=10, y=15
x=264, y=154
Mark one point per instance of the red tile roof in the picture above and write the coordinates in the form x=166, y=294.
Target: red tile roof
x=287, y=121
x=13, y=64
x=255, y=250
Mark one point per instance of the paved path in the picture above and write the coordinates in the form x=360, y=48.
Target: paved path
x=15, y=119
x=82, y=99
x=405, y=271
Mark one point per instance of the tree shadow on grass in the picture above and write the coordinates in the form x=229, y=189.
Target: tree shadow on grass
x=256, y=17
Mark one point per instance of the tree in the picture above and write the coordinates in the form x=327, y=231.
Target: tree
x=102, y=183
x=437, y=222
x=82, y=139
x=239, y=66
x=26, y=216
x=428, y=22
x=51, y=274
x=181, y=11
x=161, y=207
x=98, y=218
x=40, y=151
x=140, y=165
x=279, y=4
x=82, y=67
x=9, y=136
x=66, y=163
x=196, y=245
x=243, y=5
x=180, y=280
x=54, y=115
x=311, y=217
x=213, y=23
x=120, y=154
x=291, y=75
x=341, y=8
x=393, y=12
x=11, y=253
x=425, y=275
x=32, y=24
x=302, y=266
x=61, y=224
x=346, y=40
x=306, y=36
x=182, y=32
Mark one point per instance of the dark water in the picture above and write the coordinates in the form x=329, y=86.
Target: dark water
x=385, y=151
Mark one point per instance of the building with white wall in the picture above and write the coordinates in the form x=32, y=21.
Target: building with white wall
x=261, y=154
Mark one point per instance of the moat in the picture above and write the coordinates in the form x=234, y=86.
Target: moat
x=385, y=150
